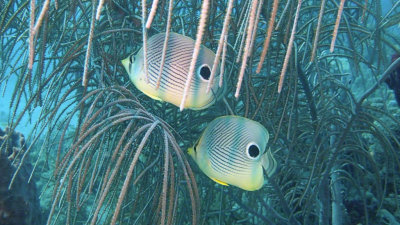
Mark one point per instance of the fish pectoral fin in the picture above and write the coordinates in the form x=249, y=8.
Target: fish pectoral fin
x=220, y=182
x=269, y=163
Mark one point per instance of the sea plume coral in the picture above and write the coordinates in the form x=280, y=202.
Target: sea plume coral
x=119, y=146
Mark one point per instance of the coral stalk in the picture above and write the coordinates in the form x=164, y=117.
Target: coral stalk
x=221, y=76
x=289, y=50
x=199, y=36
x=31, y=35
x=152, y=13
x=115, y=171
x=99, y=7
x=269, y=34
x=41, y=16
x=220, y=44
x=335, y=30
x=89, y=48
x=145, y=63
x=130, y=172
x=243, y=27
x=247, y=47
x=316, y=37
x=165, y=180
x=283, y=15
x=165, y=46
x=254, y=32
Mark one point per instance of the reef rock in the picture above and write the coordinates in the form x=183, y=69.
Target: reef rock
x=20, y=204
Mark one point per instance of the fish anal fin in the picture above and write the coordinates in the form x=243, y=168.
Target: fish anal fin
x=220, y=182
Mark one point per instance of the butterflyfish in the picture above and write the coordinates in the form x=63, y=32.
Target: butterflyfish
x=232, y=151
x=175, y=71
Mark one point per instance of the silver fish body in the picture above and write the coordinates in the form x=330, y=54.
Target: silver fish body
x=232, y=150
x=175, y=71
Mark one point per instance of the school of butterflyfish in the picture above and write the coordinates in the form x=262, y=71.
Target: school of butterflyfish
x=232, y=149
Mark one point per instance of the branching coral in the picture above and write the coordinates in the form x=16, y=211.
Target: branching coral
x=116, y=152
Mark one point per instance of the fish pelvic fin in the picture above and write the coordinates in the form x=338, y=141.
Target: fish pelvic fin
x=153, y=96
x=219, y=182
x=269, y=163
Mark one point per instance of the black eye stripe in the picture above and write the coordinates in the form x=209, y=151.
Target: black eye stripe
x=195, y=144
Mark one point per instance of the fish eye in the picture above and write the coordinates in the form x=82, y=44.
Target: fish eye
x=204, y=71
x=253, y=151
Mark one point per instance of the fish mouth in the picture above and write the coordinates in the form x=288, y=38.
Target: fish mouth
x=125, y=63
x=190, y=151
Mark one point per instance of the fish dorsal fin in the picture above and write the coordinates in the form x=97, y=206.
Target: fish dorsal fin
x=220, y=182
x=269, y=163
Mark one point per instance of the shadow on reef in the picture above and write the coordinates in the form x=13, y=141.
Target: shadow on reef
x=20, y=204
x=393, y=81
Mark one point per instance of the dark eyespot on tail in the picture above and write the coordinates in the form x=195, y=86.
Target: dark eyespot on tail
x=205, y=72
x=253, y=151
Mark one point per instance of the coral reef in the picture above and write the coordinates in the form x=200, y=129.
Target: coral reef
x=19, y=204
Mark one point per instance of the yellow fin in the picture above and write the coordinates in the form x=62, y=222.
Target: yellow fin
x=154, y=97
x=149, y=94
x=220, y=182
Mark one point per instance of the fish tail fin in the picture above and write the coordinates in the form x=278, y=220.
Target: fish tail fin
x=269, y=163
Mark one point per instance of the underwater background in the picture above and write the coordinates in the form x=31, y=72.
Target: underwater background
x=80, y=144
